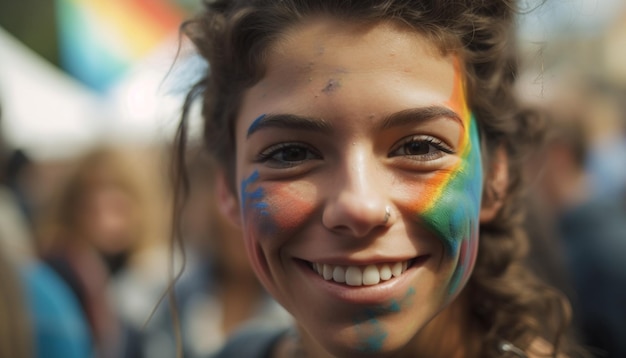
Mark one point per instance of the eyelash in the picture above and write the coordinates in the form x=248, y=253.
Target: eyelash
x=268, y=155
x=432, y=142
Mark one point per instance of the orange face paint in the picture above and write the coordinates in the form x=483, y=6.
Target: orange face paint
x=451, y=206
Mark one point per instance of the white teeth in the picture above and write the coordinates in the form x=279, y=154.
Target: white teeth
x=385, y=272
x=354, y=276
x=371, y=276
x=361, y=275
x=327, y=272
x=339, y=274
x=396, y=269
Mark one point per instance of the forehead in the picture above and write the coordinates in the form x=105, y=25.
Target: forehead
x=323, y=44
x=311, y=35
x=326, y=63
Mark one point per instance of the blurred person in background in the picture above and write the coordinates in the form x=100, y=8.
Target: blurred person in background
x=608, y=143
x=15, y=331
x=218, y=292
x=97, y=235
x=590, y=228
x=39, y=316
x=19, y=177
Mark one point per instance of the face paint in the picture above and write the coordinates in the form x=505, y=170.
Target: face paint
x=371, y=334
x=255, y=123
x=276, y=207
x=252, y=202
x=291, y=203
x=370, y=331
x=451, y=206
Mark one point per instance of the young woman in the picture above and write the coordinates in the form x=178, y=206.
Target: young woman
x=371, y=155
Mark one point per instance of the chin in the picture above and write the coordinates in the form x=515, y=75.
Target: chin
x=387, y=336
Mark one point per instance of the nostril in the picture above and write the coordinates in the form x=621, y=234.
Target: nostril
x=349, y=215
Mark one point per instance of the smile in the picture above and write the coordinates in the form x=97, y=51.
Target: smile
x=361, y=275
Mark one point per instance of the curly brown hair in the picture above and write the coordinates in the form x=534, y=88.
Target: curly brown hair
x=234, y=37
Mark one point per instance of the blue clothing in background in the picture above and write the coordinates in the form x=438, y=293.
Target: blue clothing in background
x=594, y=235
x=607, y=168
x=59, y=326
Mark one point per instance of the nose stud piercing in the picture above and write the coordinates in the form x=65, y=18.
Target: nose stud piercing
x=505, y=346
x=387, y=215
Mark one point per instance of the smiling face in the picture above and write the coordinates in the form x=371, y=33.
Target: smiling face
x=349, y=123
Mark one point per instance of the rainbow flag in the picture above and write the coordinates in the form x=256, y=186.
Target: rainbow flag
x=101, y=39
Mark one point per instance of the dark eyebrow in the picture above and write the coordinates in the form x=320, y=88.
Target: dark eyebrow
x=289, y=121
x=413, y=115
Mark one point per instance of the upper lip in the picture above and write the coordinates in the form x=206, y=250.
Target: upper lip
x=360, y=262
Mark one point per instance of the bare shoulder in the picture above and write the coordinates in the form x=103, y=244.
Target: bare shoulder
x=540, y=348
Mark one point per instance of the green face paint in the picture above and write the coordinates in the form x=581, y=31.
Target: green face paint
x=451, y=207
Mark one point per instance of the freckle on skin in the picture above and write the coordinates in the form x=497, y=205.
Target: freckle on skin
x=331, y=86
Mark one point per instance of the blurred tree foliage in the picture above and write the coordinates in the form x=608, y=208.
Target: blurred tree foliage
x=34, y=23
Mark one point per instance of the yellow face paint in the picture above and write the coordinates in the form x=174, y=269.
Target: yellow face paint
x=451, y=206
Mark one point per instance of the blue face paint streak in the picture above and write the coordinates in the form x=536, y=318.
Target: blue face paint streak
x=255, y=124
x=253, y=200
x=407, y=300
x=370, y=331
x=464, y=216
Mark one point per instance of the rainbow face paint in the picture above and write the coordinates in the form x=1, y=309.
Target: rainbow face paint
x=451, y=207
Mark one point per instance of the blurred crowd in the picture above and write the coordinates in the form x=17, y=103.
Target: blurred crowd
x=577, y=216
x=84, y=256
x=85, y=241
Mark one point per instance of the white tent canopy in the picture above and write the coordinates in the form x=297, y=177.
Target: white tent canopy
x=50, y=115
x=147, y=101
x=44, y=111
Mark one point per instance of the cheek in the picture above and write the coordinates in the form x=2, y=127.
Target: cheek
x=453, y=217
x=291, y=205
x=277, y=209
x=451, y=210
x=254, y=208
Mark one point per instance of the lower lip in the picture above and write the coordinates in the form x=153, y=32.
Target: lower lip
x=365, y=295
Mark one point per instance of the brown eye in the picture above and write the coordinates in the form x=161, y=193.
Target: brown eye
x=422, y=148
x=285, y=155
x=292, y=154
x=417, y=148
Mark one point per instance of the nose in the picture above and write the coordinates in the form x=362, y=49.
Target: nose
x=358, y=204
